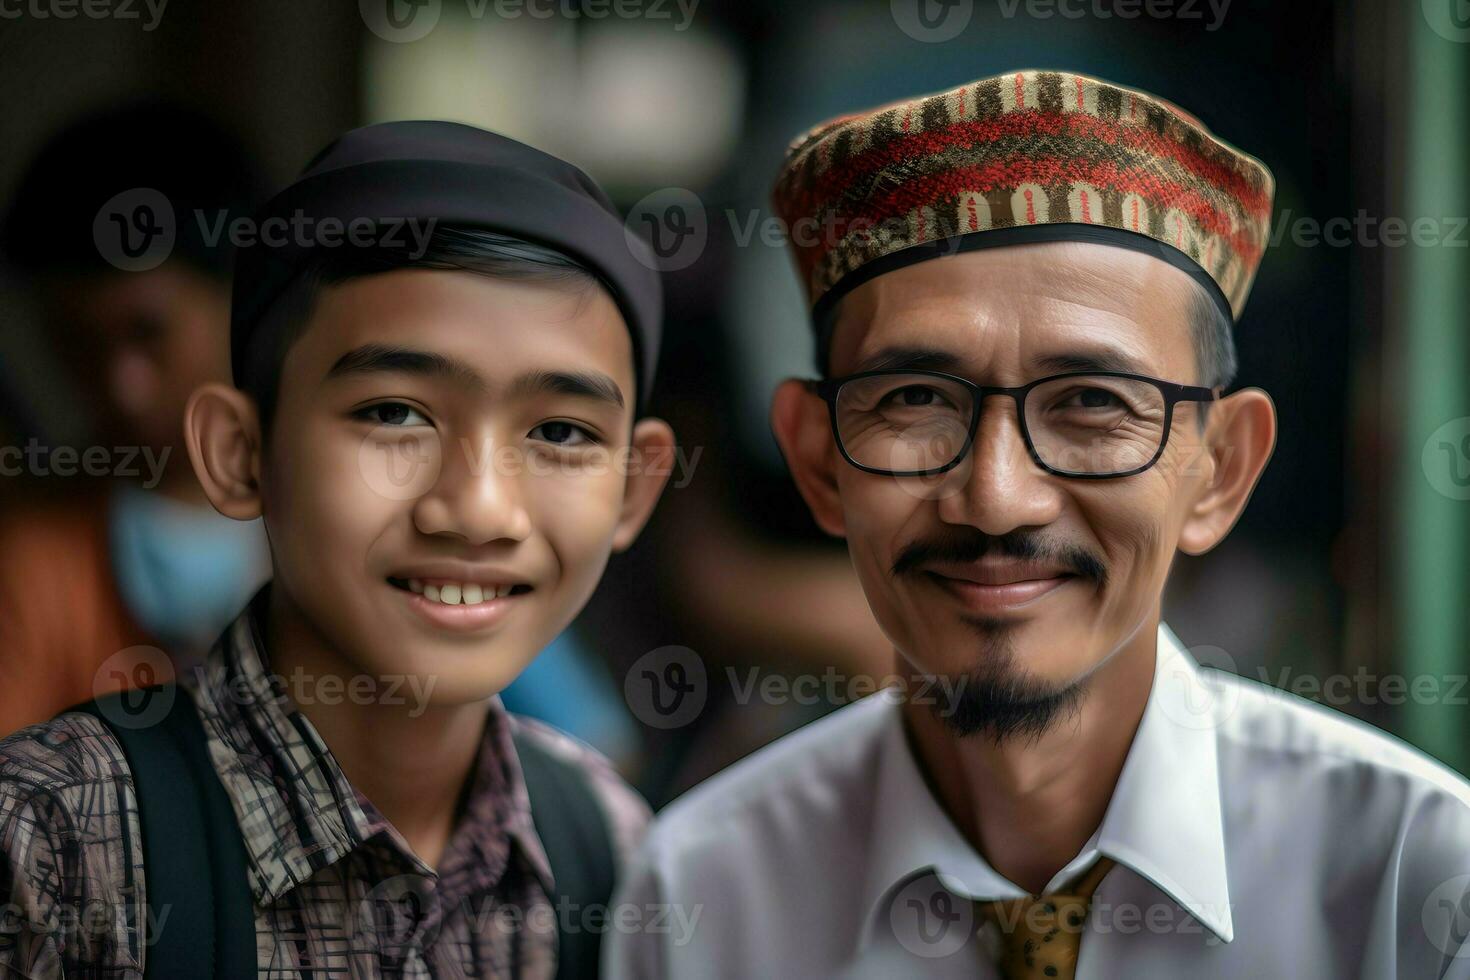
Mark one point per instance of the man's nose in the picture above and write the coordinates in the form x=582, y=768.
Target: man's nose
x=998, y=487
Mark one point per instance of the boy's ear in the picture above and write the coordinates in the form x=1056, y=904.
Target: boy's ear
x=803, y=429
x=222, y=430
x=652, y=462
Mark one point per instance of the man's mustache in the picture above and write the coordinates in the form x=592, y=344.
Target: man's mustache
x=970, y=546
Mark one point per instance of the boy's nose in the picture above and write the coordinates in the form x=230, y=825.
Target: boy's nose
x=480, y=500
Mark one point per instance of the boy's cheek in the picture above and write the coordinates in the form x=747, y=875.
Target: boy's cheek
x=578, y=517
x=579, y=513
x=325, y=514
x=392, y=469
x=339, y=474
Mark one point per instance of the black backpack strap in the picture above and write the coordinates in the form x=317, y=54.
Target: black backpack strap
x=193, y=855
x=574, y=833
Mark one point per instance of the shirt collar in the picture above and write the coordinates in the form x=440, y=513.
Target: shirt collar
x=1163, y=822
x=296, y=809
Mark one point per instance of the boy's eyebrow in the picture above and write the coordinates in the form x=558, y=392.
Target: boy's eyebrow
x=375, y=358
x=379, y=358
x=588, y=384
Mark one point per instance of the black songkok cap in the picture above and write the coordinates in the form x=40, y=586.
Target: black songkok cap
x=399, y=175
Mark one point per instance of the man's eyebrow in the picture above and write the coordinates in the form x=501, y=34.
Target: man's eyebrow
x=585, y=384
x=1096, y=359
x=381, y=359
x=933, y=359
x=908, y=359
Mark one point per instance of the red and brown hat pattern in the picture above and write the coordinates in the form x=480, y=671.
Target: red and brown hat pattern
x=1025, y=148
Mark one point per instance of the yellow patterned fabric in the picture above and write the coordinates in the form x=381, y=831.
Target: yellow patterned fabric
x=1042, y=936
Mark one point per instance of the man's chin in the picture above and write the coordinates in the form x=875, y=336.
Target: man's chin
x=1006, y=711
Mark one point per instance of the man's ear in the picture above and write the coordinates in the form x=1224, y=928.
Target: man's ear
x=1239, y=439
x=803, y=429
x=652, y=463
x=222, y=430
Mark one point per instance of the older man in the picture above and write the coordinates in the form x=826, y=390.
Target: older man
x=1023, y=291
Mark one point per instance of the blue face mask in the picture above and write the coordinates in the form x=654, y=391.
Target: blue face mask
x=184, y=571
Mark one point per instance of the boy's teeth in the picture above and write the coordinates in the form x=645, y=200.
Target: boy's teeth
x=457, y=593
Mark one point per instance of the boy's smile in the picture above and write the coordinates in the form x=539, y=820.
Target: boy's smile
x=459, y=598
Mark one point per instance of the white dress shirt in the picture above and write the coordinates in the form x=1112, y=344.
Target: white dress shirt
x=1256, y=835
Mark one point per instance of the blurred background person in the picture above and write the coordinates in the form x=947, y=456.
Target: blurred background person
x=113, y=559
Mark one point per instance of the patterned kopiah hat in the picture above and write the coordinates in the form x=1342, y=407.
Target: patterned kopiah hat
x=1027, y=156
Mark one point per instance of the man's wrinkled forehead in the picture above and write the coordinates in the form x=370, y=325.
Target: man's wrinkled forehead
x=1038, y=299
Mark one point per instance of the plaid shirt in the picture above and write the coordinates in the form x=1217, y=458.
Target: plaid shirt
x=338, y=892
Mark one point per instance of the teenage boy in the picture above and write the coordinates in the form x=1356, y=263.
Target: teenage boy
x=440, y=346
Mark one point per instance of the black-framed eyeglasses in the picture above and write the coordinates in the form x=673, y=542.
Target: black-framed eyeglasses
x=1088, y=425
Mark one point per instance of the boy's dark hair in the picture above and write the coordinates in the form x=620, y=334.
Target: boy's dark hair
x=197, y=165
x=448, y=247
